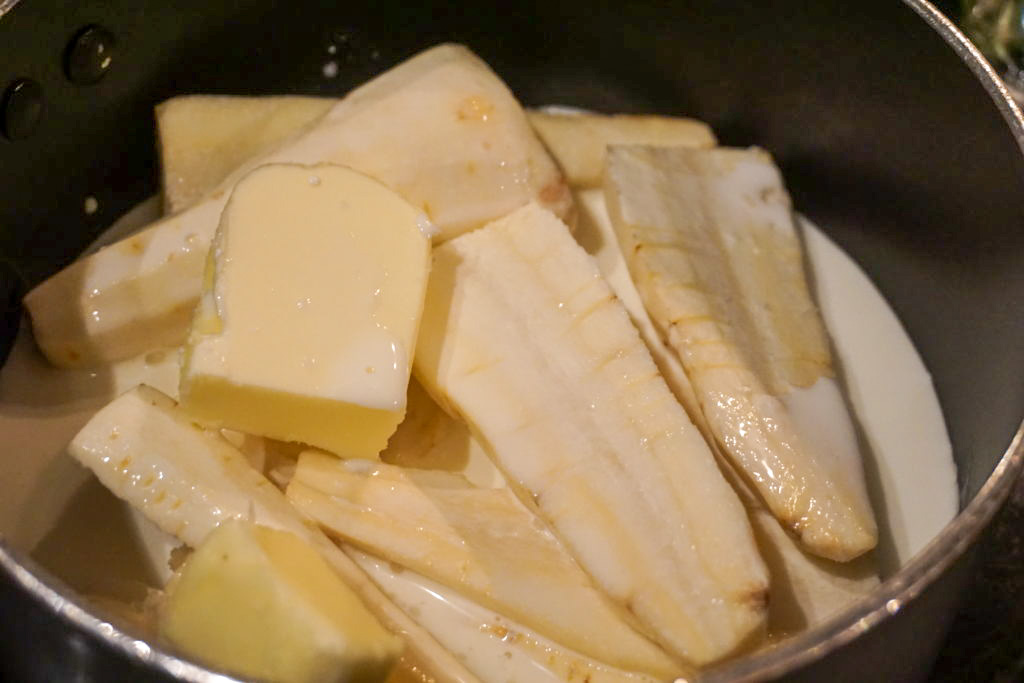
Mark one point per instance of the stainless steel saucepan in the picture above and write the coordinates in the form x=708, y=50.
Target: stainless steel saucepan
x=891, y=131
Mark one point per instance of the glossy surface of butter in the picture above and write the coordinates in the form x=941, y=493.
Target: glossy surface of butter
x=262, y=603
x=310, y=310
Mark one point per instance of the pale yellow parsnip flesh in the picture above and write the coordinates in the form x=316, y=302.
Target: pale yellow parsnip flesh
x=522, y=337
x=482, y=542
x=710, y=242
x=204, y=138
x=579, y=141
x=441, y=129
x=314, y=296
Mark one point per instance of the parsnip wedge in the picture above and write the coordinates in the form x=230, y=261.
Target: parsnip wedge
x=805, y=590
x=481, y=542
x=711, y=244
x=441, y=129
x=203, y=138
x=522, y=337
x=579, y=141
x=187, y=480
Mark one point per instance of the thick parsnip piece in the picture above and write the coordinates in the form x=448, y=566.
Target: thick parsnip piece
x=711, y=244
x=523, y=338
x=262, y=603
x=187, y=480
x=204, y=138
x=440, y=129
x=309, y=315
x=805, y=590
x=579, y=141
x=482, y=542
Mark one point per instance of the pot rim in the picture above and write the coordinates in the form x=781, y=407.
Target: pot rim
x=883, y=603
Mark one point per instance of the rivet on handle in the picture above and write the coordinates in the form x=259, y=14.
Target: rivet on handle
x=89, y=55
x=21, y=108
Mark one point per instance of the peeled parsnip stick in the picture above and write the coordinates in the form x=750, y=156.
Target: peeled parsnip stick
x=710, y=242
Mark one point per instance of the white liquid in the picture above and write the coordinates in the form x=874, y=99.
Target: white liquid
x=41, y=408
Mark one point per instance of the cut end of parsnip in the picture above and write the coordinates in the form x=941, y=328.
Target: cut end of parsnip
x=203, y=138
x=310, y=311
x=579, y=141
x=262, y=603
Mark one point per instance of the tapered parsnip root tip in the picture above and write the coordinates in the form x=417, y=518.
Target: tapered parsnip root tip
x=710, y=241
x=852, y=545
x=524, y=338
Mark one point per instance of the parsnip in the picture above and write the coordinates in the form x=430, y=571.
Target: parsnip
x=805, y=590
x=203, y=138
x=522, y=337
x=710, y=242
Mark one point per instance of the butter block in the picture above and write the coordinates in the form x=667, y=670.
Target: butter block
x=262, y=603
x=310, y=309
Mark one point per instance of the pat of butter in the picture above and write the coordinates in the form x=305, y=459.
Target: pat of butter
x=309, y=314
x=262, y=603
